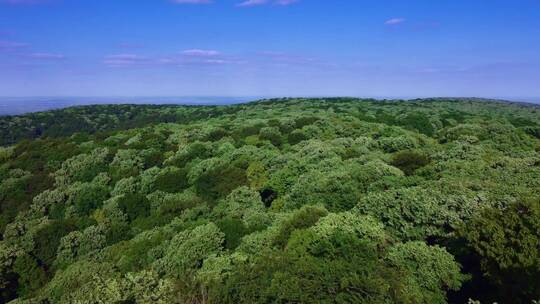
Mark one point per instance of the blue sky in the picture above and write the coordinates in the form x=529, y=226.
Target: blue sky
x=402, y=48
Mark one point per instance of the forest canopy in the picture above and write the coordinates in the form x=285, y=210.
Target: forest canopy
x=333, y=200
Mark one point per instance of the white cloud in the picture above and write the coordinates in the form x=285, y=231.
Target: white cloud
x=252, y=3
x=124, y=60
x=11, y=45
x=47, y=56
x=201, y=53
x=395, y=21
x=285, y=2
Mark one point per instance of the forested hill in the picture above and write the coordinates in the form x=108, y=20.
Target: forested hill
x=277, y=201
x=101, y=118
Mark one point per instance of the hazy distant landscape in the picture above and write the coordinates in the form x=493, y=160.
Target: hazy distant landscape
x=22, y=105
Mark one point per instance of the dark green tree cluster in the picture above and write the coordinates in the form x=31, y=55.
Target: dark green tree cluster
x=279, y=201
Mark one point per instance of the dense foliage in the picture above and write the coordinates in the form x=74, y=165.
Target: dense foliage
x=277, y=201
x=99, y=118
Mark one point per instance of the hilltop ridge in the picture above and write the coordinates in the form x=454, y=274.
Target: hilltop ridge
x=102, y=118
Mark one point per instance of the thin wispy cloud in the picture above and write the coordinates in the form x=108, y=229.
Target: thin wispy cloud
x=125, y=60
x=395, y=21
x=285, y=57
x=202, y=57
x=189, y=57
x=216, y=61
x=47, y=56
x=199, y=62
x=285, y=2
x=201, y=53
x=6, y=45
x=250, y=3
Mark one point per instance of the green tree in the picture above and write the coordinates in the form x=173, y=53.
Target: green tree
x=430, y=271
x=31, y=277
x=507, y=242
x=409, y=161
x=171, y=179
x=271, y=134
x=48, y=239
x=134, y=205
x=188, y=249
